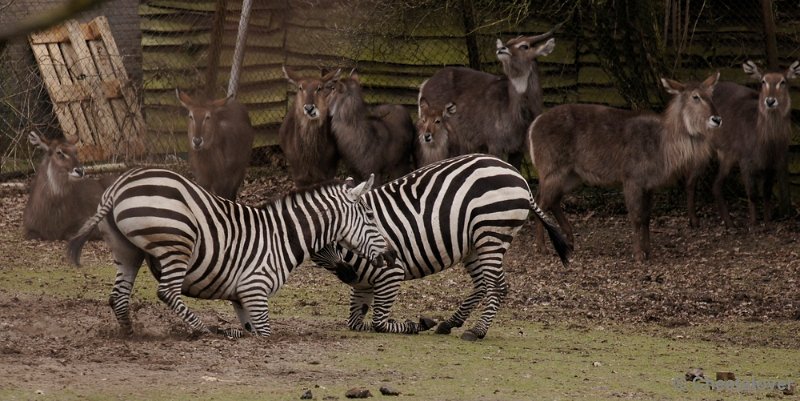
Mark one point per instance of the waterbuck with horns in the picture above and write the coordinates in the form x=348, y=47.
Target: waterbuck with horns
x=220, y=143
x=755, y=136
x=375, y=140
x=61, y=198
x=493, y=111
x=305, y=135
x=599, y=145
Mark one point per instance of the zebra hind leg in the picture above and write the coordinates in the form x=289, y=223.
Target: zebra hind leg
x=466, y=307
x=128, y=259
x=497, y=289
x=169, y=290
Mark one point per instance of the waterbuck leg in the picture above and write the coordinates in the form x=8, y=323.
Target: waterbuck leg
x=550, y=200
x=691, y=192
x=360, y=301
x=496, y=287
x=722, y=207
x=466, y=307
x=769, y=182
x=635, y=203
x=752, y=196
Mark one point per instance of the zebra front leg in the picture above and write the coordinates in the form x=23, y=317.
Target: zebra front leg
x=256, y=304
x=360, y=301
x=497, y=289
x=466, y=307
x=385, y=295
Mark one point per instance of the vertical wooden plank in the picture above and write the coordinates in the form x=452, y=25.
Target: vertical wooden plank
x=124, y=123
x=83, y=131
x=52, y=83
x=84, y=105
x=103, y=114
x=101, y=26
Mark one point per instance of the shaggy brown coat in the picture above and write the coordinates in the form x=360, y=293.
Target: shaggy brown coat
x=598, y=145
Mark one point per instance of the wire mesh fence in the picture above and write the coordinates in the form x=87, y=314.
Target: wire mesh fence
x=608, y=51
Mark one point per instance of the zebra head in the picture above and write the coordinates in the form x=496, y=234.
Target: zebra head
x=360, y=232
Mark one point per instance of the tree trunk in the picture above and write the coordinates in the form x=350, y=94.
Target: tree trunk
x=215, y=48
x=468, y=12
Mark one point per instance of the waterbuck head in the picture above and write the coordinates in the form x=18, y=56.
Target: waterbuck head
x=433, y=125
x=345, y=92
x=311, y=98
x=692, y=104
x=360, y=232
x=774, y=92
x=204, y=121
x=518, y=55
x=61, y=164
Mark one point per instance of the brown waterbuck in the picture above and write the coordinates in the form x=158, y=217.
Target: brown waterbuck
x=220, y=143
x=494, y=111
x=433, y=128
x=305, y=135
x=377, y=140
x=599, y=145
x=755, y=136
x=61, y=199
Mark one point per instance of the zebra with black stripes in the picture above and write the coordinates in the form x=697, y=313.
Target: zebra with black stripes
x=203, y=246
x=465, y=209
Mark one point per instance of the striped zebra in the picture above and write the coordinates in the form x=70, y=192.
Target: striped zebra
x=200, y=245
x=465, y=209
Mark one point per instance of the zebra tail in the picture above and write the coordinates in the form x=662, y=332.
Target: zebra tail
x=559, y=242
x=75, y=244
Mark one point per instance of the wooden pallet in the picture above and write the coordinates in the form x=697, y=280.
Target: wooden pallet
x=91, y=93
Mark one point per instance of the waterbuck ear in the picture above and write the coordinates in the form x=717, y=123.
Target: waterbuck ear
x=794, y=70
x=449, y=109
x=290, y=75
x=711, y=81
x=221, y=102
x=673, y=87
x=423, y=104
x=500, y=43
x=184, y=98
x=545, y=48
x=750, y=68
x=39, y=141
x=332, y=75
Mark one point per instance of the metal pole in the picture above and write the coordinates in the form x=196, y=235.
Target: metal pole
x=238, y=54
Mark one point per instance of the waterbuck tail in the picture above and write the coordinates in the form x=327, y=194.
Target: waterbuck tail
x=75, y=244
x=563, y=248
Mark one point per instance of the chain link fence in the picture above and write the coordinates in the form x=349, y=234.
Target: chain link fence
x=609, y=52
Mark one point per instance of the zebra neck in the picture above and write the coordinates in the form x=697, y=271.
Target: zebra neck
x=299, y=235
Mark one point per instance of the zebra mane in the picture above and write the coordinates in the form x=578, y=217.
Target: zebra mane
x=299, y=192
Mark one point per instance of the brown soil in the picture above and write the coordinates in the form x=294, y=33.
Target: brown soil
x=703, y=276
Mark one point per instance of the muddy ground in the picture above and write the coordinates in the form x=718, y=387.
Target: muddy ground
x=58, y=339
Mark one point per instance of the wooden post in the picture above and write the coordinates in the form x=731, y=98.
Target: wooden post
x=473, y=54
x=215, y=48
x=769, y=33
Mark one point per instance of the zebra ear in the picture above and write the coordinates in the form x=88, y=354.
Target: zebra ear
x=361, y=189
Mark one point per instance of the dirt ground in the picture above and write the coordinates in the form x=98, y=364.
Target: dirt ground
x=61, y=342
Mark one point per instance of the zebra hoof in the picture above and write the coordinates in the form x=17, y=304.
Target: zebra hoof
x=426, y=323
x=443, y=328
x=470, y=335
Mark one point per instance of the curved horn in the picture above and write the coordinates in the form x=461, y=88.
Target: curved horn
x=546, y=35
